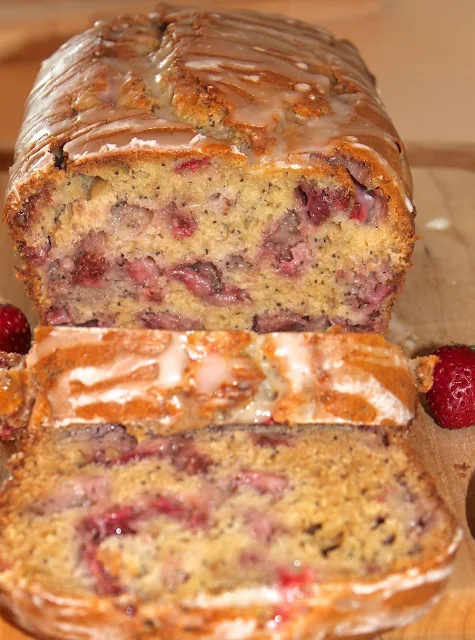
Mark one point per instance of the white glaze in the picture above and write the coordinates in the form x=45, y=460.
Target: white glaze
x=259, y=67
x=212, y=372
x=173, y=361
x=238, y=598
x=294, y=349
x=166, y=364
x=58, y=339
x=237, y=629
x=387, y=405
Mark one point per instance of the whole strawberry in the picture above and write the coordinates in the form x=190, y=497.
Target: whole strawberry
x=15, y=334
x=452, y=396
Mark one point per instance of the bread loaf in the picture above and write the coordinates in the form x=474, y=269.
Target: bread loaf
x=210, y=170
x=229, y=534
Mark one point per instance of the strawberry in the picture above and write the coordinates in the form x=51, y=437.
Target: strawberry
x=15, y=334
x=452, y=396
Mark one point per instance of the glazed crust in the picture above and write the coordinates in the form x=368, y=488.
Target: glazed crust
x=334, y=611
x=328, y=610
x=182, y=80
x=170, y=381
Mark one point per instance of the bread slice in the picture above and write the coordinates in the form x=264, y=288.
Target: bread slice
x=164, y=382
x=215, y=170
x=227, y=533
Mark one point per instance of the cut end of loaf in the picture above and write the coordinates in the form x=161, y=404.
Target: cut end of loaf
x=198, y=242
x=174, y=172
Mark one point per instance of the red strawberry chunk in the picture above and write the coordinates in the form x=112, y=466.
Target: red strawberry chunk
x=89, y=270
x=180, y=222
x=261, y=481
x=321, y=203
x=201, y=278
x=301, y=256
x=144, y=271
x=8, y=433
x=358, y=213
x=177, y=449
x=123, y=520
x=183, y=225
x=295, y=579
x=57, y=316
x=167, y=321
x=117, y=521
x=293, y=584
x=192, y=165
x=270, y=440
x=204, y=280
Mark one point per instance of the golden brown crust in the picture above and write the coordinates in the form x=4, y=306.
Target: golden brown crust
x=423, y=369
x=334, y=611
x=147, y=86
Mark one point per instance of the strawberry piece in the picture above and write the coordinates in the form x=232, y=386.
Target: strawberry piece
x=261, y=481
x=293, y=584
x=290, y=579
x=15, y=334
x=192, y=165
x=452, y=396
x=358, y=213
x=89, y=270
x=183, y=225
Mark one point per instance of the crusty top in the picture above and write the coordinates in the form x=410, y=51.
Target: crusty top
x=265, y=89
x=174, y=381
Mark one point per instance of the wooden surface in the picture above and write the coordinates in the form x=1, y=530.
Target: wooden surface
x=436, y=306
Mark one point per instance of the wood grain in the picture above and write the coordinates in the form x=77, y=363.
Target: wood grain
x=436, y=306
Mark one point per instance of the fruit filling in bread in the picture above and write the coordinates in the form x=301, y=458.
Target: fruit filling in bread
x=199, y=243
x=209, y=514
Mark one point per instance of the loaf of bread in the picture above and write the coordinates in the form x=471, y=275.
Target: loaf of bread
x=167, y=381
x=218, y=170
x=220, y=534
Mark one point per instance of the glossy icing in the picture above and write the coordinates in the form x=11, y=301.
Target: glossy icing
x=174, y=380
x=264, y=88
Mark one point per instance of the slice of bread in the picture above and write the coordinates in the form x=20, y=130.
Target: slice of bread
x=223, y=534
x=165, y=382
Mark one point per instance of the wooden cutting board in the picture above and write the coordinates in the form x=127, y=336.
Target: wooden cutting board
x=437, y=306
